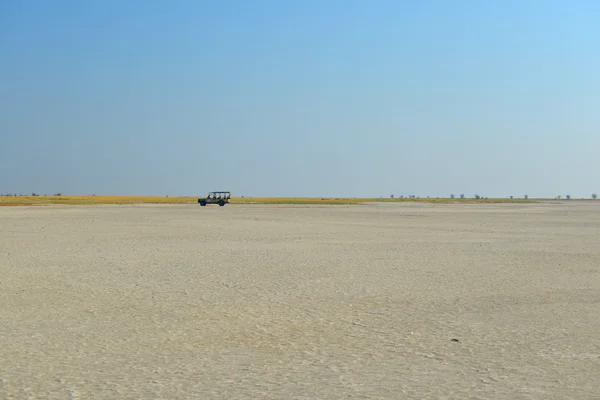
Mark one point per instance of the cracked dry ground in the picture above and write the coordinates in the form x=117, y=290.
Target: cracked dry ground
x=288, y=302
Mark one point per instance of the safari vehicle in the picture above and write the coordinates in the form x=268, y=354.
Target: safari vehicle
x=220, y=198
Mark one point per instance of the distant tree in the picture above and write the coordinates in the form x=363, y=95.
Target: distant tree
x=477, y=197
x=451, y=196
x=568, y=197
x=391, y=196
x=511, y=197
x=526, y=197
x=558, y=197
x=462, y=196
x=594, y=196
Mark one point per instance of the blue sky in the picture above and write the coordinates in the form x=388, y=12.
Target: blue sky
x=300, y=98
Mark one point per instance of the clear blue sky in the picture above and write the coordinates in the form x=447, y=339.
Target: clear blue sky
x=300, y=98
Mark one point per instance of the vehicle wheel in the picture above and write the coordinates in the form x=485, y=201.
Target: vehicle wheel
x=221, y=203
x=203, y=203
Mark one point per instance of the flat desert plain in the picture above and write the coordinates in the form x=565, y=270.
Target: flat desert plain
x=378, y=301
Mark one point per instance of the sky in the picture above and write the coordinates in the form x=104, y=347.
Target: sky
x=325, y=98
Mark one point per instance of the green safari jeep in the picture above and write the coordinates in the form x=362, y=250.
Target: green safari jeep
x=220, y=198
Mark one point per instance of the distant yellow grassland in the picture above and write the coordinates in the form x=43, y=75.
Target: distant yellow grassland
x=356, y=200
x=83, y=200
x=75, y=200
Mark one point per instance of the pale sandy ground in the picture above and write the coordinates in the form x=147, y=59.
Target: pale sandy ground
x=249, y=302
